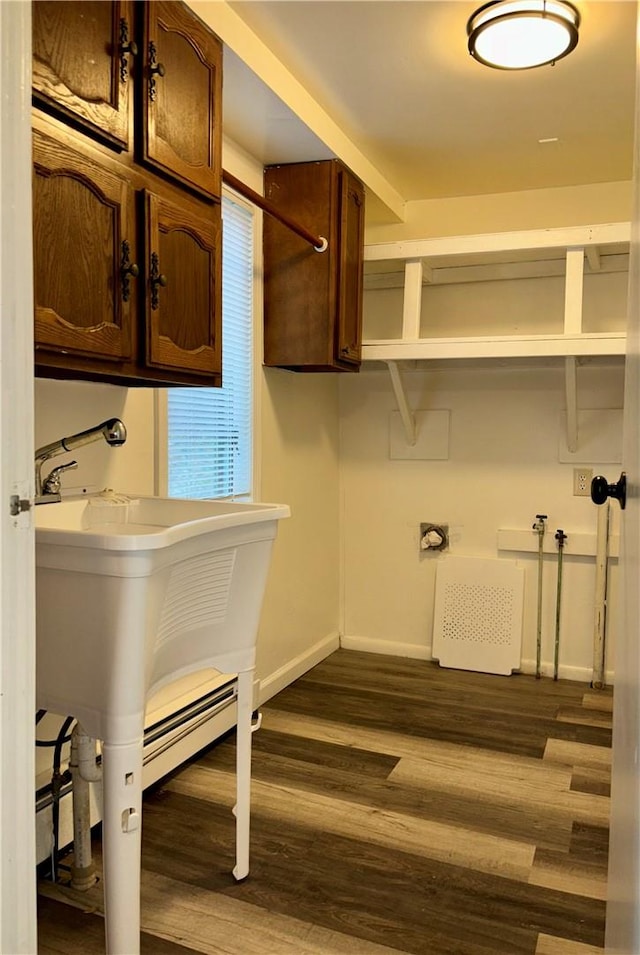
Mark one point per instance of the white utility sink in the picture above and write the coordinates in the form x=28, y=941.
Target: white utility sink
x=131, y=594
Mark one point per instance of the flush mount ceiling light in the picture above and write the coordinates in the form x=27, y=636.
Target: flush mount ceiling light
x=521, y=34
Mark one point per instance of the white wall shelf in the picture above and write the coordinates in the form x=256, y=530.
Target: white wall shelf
x=570, y=253
x=502, y=346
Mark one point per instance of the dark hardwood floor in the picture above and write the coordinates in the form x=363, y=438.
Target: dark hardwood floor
x=396, y=808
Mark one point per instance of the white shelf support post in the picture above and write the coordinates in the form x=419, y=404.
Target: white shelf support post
x=412, y=305
x=574, y=285
x=571, y=392
x=406, y=414
x=573, y=292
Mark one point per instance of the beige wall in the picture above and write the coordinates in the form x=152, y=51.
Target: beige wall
x=502, y=469
x=503, y=465
x=509, y=212
x=300, y=468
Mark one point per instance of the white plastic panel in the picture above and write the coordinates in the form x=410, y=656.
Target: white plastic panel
x=478, y=614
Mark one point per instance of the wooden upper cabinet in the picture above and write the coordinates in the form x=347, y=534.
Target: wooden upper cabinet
x=183, y=288
x=180, y=97
x=126, y=192
x=82, y=64
x=313, y=300
x=84, y=235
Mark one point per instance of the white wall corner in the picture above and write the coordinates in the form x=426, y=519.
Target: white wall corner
x=285, y=675
x=415, y=651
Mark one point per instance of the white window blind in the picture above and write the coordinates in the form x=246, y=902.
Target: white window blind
x=210, y=429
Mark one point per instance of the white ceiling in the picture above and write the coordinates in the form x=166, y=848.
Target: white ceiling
x=397, y=78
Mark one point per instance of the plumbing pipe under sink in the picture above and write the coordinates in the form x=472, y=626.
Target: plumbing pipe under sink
x=84, y=770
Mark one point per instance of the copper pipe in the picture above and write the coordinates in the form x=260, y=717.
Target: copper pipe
x=319, y=243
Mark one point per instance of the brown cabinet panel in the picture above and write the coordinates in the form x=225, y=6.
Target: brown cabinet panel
x=313, y=300
x=180, y=98
x=83, y=223
x=127, y=250
x=80, y=68
x=183, y=296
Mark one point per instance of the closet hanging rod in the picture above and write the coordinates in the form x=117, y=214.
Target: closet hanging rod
x=319, y=243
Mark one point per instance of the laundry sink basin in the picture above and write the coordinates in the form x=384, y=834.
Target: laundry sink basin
x=133, y=592
x=160, y=520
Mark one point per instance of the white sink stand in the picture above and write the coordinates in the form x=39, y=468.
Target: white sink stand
x=170, y=587
x=122, y=830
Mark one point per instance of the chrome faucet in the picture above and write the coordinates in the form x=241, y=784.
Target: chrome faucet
x=47, y=491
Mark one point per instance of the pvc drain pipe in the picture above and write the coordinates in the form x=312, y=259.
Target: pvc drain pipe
x=600, y=615
x=84, y=770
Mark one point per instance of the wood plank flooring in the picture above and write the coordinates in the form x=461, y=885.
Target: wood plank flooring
x=396, y=808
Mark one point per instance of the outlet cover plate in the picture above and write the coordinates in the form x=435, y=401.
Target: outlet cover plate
x=582, y=482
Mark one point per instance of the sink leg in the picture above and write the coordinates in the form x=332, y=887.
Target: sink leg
x=242, y=808
x=121, y=840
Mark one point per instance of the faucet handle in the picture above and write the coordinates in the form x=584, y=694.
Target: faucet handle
x=52, y=483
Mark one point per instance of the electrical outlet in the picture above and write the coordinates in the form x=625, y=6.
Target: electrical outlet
x=582, y=482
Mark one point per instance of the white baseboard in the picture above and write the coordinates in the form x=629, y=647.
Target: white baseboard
x=418, y=652
x=295, y=668
x=389, y=647
x=580, y=674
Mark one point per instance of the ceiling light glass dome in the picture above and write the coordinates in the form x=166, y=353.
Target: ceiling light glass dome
x=522, y=34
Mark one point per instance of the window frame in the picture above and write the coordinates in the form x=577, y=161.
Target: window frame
x=161, y=422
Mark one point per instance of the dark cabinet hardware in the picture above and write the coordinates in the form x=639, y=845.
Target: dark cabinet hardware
x=125, y=46
x=128, y=270
x=156, y=280
x=601, y=490
x=154, y=68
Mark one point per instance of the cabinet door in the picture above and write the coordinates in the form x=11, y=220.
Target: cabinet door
x=83, y=237
x=183, y=297
x=350, y=267
x=81, y=64
x=313, y=301
x=181, y=97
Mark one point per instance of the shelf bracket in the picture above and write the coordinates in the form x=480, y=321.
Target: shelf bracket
x=571, y=393
x=406, y=414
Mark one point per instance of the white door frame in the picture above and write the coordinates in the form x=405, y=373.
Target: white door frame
x=623, y=893
x=18, y=926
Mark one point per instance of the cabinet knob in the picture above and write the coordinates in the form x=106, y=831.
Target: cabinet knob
x=156, y=280
x=125, y=46
x=155, y=69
